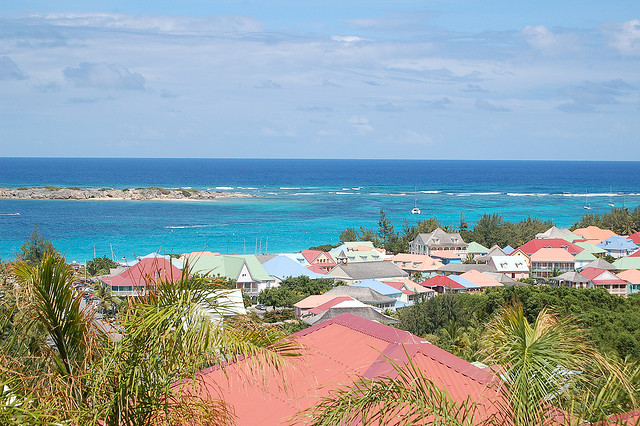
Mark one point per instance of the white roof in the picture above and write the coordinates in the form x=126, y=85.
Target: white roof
x=510, y=263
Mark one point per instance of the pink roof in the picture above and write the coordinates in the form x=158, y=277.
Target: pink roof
x=311, y=255
x=411, y=285
x=199, y=254
x=330, y=304
x=480, y=279
x=416, y=262
x=317, y=269
x=535, y=245
x=399, y=286
x=442, y=281
x=445, y=254
x=552, y=255
x=601, y=276
x=335, y=353
x=316, y=300
x=636, y=254
x=147, y=271
x=632, y=276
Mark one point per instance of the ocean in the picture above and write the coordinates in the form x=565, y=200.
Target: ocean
x=299, y=203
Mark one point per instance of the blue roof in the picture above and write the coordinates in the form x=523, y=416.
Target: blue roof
x=617, y=243
x=400, y=305
x=463, y=281
x=508, y=250
x=282, y=267
x=379, y=286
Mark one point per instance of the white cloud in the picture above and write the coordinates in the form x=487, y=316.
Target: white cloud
x=104, y=76
x=541, y=38
x=361, y=124
x=624, y=36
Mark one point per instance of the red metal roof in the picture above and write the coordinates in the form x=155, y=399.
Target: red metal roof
x=337, y=352
x=311, y=255
x=442, y=281
x=399, y=286
x=635, y=237
x=331, y=303
x=535, y=245
x=146, y=271
x=594, y=274
x=317, y=269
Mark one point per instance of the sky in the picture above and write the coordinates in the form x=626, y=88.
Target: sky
x=451, y=79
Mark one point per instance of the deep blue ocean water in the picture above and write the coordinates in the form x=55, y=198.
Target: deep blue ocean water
x=301, y=202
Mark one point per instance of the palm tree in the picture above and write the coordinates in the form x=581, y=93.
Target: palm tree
x=148, y=376
x=547, y=370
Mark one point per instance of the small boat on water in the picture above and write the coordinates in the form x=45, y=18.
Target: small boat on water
x=415, y=209
x=611, y=201
x=587, y=206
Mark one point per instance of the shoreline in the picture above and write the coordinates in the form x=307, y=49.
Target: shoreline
x=106, y=194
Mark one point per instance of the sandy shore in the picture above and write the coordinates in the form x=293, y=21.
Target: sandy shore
x=138, y=194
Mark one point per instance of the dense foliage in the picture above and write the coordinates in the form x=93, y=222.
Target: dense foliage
x=292, y=290
x=456, y=321
x=35, y=248
x=100, y=266
x=621, y=220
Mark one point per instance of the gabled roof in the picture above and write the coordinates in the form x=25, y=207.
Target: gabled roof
x=493, y=251
x=316, y=300
x=552, y=255
x=146, y=271
x=230, y=266
x=591, y=248
x=459, y=268
x=508, y=250
x=463, y=281
x=400, y=286
x=600, y=264
x=283, y=267
x=480, y=279
x=311, y=255
x=366, y=312
x=331, y=303
x=555, y=232
x=368, y=270
x=318, y=270
x=535, y=245
x=338, y=352
x=573, y=277
x=594, y=233
x=409, y=284
x=416, y=262
x=632, y=276
x=601, y=276
x=584, y=256
x=627, y=263
x=474, y=248
x=442, y=281
x=440, y=238
x=363, y=294
x=618, y=243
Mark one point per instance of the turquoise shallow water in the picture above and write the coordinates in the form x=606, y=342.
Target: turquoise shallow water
x=300, y=202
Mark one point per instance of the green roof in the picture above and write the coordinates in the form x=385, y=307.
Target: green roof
x=591, y=248
x=585, y=256
x=627, y=263
x=230, y=266
x=476, y=248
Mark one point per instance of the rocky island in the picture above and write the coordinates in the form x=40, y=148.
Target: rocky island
x=151, y=193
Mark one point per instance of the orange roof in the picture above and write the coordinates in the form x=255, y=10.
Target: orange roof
x=337, y=352
x=594, y=233
x=480, y=279
x=416, y=262
x=445, y=254
x=632, y=276
x=552, y=255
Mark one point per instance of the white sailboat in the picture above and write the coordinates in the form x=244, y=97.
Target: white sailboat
x=610, y=201
x=415, y=209
x=587, y=206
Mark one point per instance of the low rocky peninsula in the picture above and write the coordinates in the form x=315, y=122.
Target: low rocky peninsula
x=138, y=194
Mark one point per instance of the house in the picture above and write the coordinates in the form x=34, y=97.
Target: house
x=338, y=301
x=321, y=259
x=416, y=265
x=480, y=279
x=282, y=267
x=493, y=251
x=135, y=280
x=601, y=278
x=624, y=263
x=409, y=295
x=533, y=246
x=442, y=284
x=386, y=290
x=337, y=352
x=571, y=279
x=446, y=257
x=354, y=272
x=632, y=277
x=591, y=248
x=562, y=233
x=583, y=258
x=365, y=312
x=547, y=261
x=246, y=270
x=618, y=246
x=438, y=240
x=600, y=264
x=306, y=305
x=343, y=257
x=365, y=295
x=458, y=269
x=474, y=249
x=421, y=292
x=593, y=234
x=471, y=287
x=514, y=266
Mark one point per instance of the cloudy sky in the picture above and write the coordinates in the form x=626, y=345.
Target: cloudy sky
x=446, y=79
